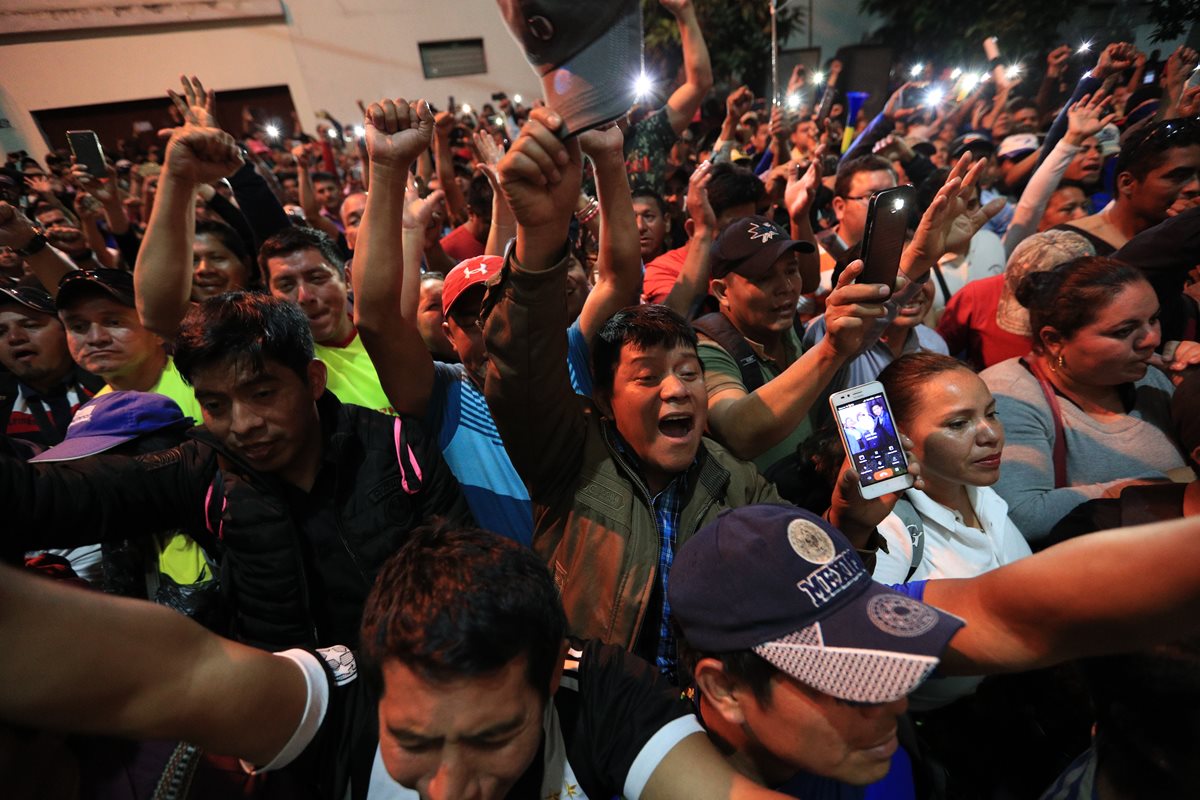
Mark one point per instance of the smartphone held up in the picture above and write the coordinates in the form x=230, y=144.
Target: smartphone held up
x=864, y=419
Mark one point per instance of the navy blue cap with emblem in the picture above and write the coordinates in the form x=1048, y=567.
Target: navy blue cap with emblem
x=786, y=584
x=586, y=55
x=750, y=245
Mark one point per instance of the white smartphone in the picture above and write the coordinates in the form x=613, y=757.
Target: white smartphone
x=871, y=439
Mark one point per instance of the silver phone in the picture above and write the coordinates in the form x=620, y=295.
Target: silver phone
x=864, y=419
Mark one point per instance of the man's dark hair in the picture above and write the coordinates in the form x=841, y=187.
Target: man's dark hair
x=1146, y=150
x=643, y=191
x=641, y=327
x=847, y=171
x=1147, y=709
x=294, y=239
x=233, y=242
x=324, y=177
x=244, y=326
x=1021, y=102
x=457, y=602
x=479, y=197
x=744, y=666
x=730, y=185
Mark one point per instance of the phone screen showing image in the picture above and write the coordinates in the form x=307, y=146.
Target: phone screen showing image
x=871, y=439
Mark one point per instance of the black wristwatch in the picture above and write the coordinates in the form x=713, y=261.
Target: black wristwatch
x=35, y=246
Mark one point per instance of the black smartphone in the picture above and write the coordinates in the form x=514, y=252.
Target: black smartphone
x=85, y=146
x=883, y=237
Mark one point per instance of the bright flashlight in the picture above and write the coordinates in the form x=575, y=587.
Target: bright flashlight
x=642, y=86
x=934, y=97
x=360, y=131
x=793, y=102
x=819, y=77
x=517, y=99
x=1013, y=71
x=898, y=203
x=916, y=70
x=272, y=131
x=333, y=134
x=956, y=74
x=969, y=81
x=466, y=108
x=1084, y=47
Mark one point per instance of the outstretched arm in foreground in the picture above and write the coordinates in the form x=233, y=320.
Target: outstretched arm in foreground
x=93, y=663
x=1105, y=592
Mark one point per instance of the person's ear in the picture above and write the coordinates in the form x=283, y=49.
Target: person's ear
x=318, y=376
x=720, y=290
x=839, y=207
x=721, y=691
x=1126, y=183
x=689, y=227
x=1051, y=340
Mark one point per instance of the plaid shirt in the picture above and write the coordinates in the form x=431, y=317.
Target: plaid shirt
x=668, y=506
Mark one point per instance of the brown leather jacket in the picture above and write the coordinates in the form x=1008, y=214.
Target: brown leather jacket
x=593, y=520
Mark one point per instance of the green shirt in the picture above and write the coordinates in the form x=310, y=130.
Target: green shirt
x=171, y=384
x=352, y=376
x=721, y=373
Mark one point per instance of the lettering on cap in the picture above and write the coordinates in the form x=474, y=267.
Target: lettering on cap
x=826, y=583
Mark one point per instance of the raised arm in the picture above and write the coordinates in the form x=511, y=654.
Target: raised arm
x=93, y=663
x=1086, y=118
x=620, y=263
x=47, y=264
x=749, y=424
x=456, y=201
x=396, y=134
x=685, y=101
x=162, y=277
x=1105, y=592
x=528, y=385
x=504, y=225
x=308, y=193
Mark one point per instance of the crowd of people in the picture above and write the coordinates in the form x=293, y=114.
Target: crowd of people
x=485, y=454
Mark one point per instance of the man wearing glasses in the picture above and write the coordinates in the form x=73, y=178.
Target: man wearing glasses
x=857, y=180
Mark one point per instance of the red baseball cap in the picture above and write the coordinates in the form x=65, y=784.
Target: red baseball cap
x=467, y=274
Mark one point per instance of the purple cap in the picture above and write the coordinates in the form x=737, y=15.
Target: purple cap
x=114, y=418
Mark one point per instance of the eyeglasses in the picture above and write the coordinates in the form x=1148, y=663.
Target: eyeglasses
x=1158, y=135
x=861, y=198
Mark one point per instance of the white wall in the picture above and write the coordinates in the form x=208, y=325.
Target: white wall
x=330, y=53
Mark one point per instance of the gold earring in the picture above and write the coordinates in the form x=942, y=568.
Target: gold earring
x=1061, y=361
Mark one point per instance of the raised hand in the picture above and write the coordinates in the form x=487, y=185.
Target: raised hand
x=87, y=208
x=947, y=225
x=541, y=174
x=738, y=102
x=704, y=220
x=893, y=108
x=397, y=132
x=443, y=124
x=1056, y=60
x=40, y=184
x=802, y=189
x=105, y=190
x=600, y=142
x=676, y=7
x=419, y=211
x=16, y=230
x=1087, y=117
x=488, y=154
x=201, y=155
x=1179, y=68
x=1189, y=104
x=1116, y=57
x=197, y=105
x=857, y=517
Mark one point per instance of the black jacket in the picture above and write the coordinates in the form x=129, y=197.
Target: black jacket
x=297, y=566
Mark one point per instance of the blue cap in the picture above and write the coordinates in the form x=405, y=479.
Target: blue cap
x=786, y=584
x=114, y=418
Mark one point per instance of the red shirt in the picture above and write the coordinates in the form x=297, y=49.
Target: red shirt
x=969, y=325
x=460, y=244
x=661, y=274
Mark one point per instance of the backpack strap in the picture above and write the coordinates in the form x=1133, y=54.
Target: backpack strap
x=1060, y=439
x=941, y=279
x=718, y=328
x=916, y=533
x=406, y=460
x=214, y=506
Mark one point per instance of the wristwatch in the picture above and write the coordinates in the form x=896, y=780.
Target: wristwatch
x=33, y=247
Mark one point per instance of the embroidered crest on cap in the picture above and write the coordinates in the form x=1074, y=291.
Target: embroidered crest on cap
x=901, y=616
x=810, y=542
x=340, y=660
x=762, y=233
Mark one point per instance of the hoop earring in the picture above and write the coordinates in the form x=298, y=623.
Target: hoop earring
x=1062, y=363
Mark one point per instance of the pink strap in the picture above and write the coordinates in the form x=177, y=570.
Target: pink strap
x=220, y=531
x=1060, y=438
x=398, y=427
